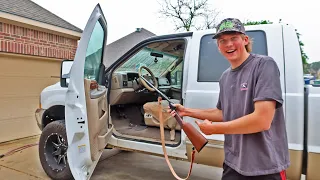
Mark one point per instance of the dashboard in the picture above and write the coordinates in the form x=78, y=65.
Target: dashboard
x=129, y=80
x=125, y=84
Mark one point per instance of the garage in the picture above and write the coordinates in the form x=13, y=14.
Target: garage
x=22, y=79
x=33, y=43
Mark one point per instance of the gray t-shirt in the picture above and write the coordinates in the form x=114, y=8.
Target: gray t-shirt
x=258, y=78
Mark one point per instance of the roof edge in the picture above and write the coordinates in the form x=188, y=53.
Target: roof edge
x=134, y=32
x=75, y=27
x=29, y=23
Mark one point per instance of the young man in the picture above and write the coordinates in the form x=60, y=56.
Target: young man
x=249, y=110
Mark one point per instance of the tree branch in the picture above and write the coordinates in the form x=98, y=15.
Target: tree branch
x=188, y=13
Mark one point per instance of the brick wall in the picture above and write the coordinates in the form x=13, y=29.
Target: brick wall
x=21, y=40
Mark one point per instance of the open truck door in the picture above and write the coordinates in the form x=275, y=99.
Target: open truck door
x=86, y=108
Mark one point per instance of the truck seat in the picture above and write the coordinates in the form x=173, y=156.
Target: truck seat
x=151, y=116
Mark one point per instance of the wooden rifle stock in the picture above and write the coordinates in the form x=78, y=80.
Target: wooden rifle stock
x=196, y=138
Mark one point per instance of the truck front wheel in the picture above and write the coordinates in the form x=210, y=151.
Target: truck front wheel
x=53, y=147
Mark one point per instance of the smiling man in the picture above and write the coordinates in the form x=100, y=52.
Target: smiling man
x=249, y=110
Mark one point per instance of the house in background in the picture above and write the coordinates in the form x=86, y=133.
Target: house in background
x=118, y=48
x=33, y=42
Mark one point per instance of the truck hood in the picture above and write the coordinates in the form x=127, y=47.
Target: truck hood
x=53, y=95
x=54, y=87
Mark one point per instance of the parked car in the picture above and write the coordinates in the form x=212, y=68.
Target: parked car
x=98, y=105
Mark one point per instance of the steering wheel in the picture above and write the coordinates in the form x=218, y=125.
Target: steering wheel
x=153, y=78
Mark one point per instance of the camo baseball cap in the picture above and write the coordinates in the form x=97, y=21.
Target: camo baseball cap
x=229, y=25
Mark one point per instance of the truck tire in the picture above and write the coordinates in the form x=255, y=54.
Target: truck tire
x=53, y=146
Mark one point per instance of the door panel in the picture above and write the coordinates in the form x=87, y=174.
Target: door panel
x=97, y=113
x=86, y=109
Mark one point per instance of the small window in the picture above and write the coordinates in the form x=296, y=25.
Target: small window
x=212, y=64
x=176, y=75
x=94, y=53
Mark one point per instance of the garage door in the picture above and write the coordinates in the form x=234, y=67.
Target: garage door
x=22, y=79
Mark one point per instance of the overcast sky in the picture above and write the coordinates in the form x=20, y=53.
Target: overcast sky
x=124, y=16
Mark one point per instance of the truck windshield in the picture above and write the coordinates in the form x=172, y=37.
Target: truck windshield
x=143, y=58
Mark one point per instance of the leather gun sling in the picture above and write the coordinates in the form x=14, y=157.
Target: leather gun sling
x=164, y=149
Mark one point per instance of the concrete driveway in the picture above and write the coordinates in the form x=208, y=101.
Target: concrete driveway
x=114, y=164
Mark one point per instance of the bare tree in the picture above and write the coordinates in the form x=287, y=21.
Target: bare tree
x=188, y=14
x=210, y=19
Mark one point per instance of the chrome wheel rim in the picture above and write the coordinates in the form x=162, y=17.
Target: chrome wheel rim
x=55, y=151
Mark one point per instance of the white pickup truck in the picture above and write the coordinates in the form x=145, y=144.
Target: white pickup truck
x=100, y=105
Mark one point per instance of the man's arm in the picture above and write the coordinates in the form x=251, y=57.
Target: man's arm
x=257, y=121
x=214, y=115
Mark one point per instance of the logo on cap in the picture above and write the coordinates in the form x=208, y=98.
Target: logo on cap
x=226, y=25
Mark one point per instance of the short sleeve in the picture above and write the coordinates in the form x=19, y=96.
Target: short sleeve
x=268, y=85
x=219, y=98
x=219, y=102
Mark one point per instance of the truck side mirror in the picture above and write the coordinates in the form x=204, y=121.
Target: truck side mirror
x=65, y=72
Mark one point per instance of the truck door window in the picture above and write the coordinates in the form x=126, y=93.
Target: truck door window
x=176, y=75
x=94, y=53
x=212, y=63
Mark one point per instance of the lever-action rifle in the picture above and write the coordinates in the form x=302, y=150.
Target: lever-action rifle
x=196, y=138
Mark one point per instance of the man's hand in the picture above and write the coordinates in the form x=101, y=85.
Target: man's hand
x=179, y=108
x=205, y=126
x=214, y=115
